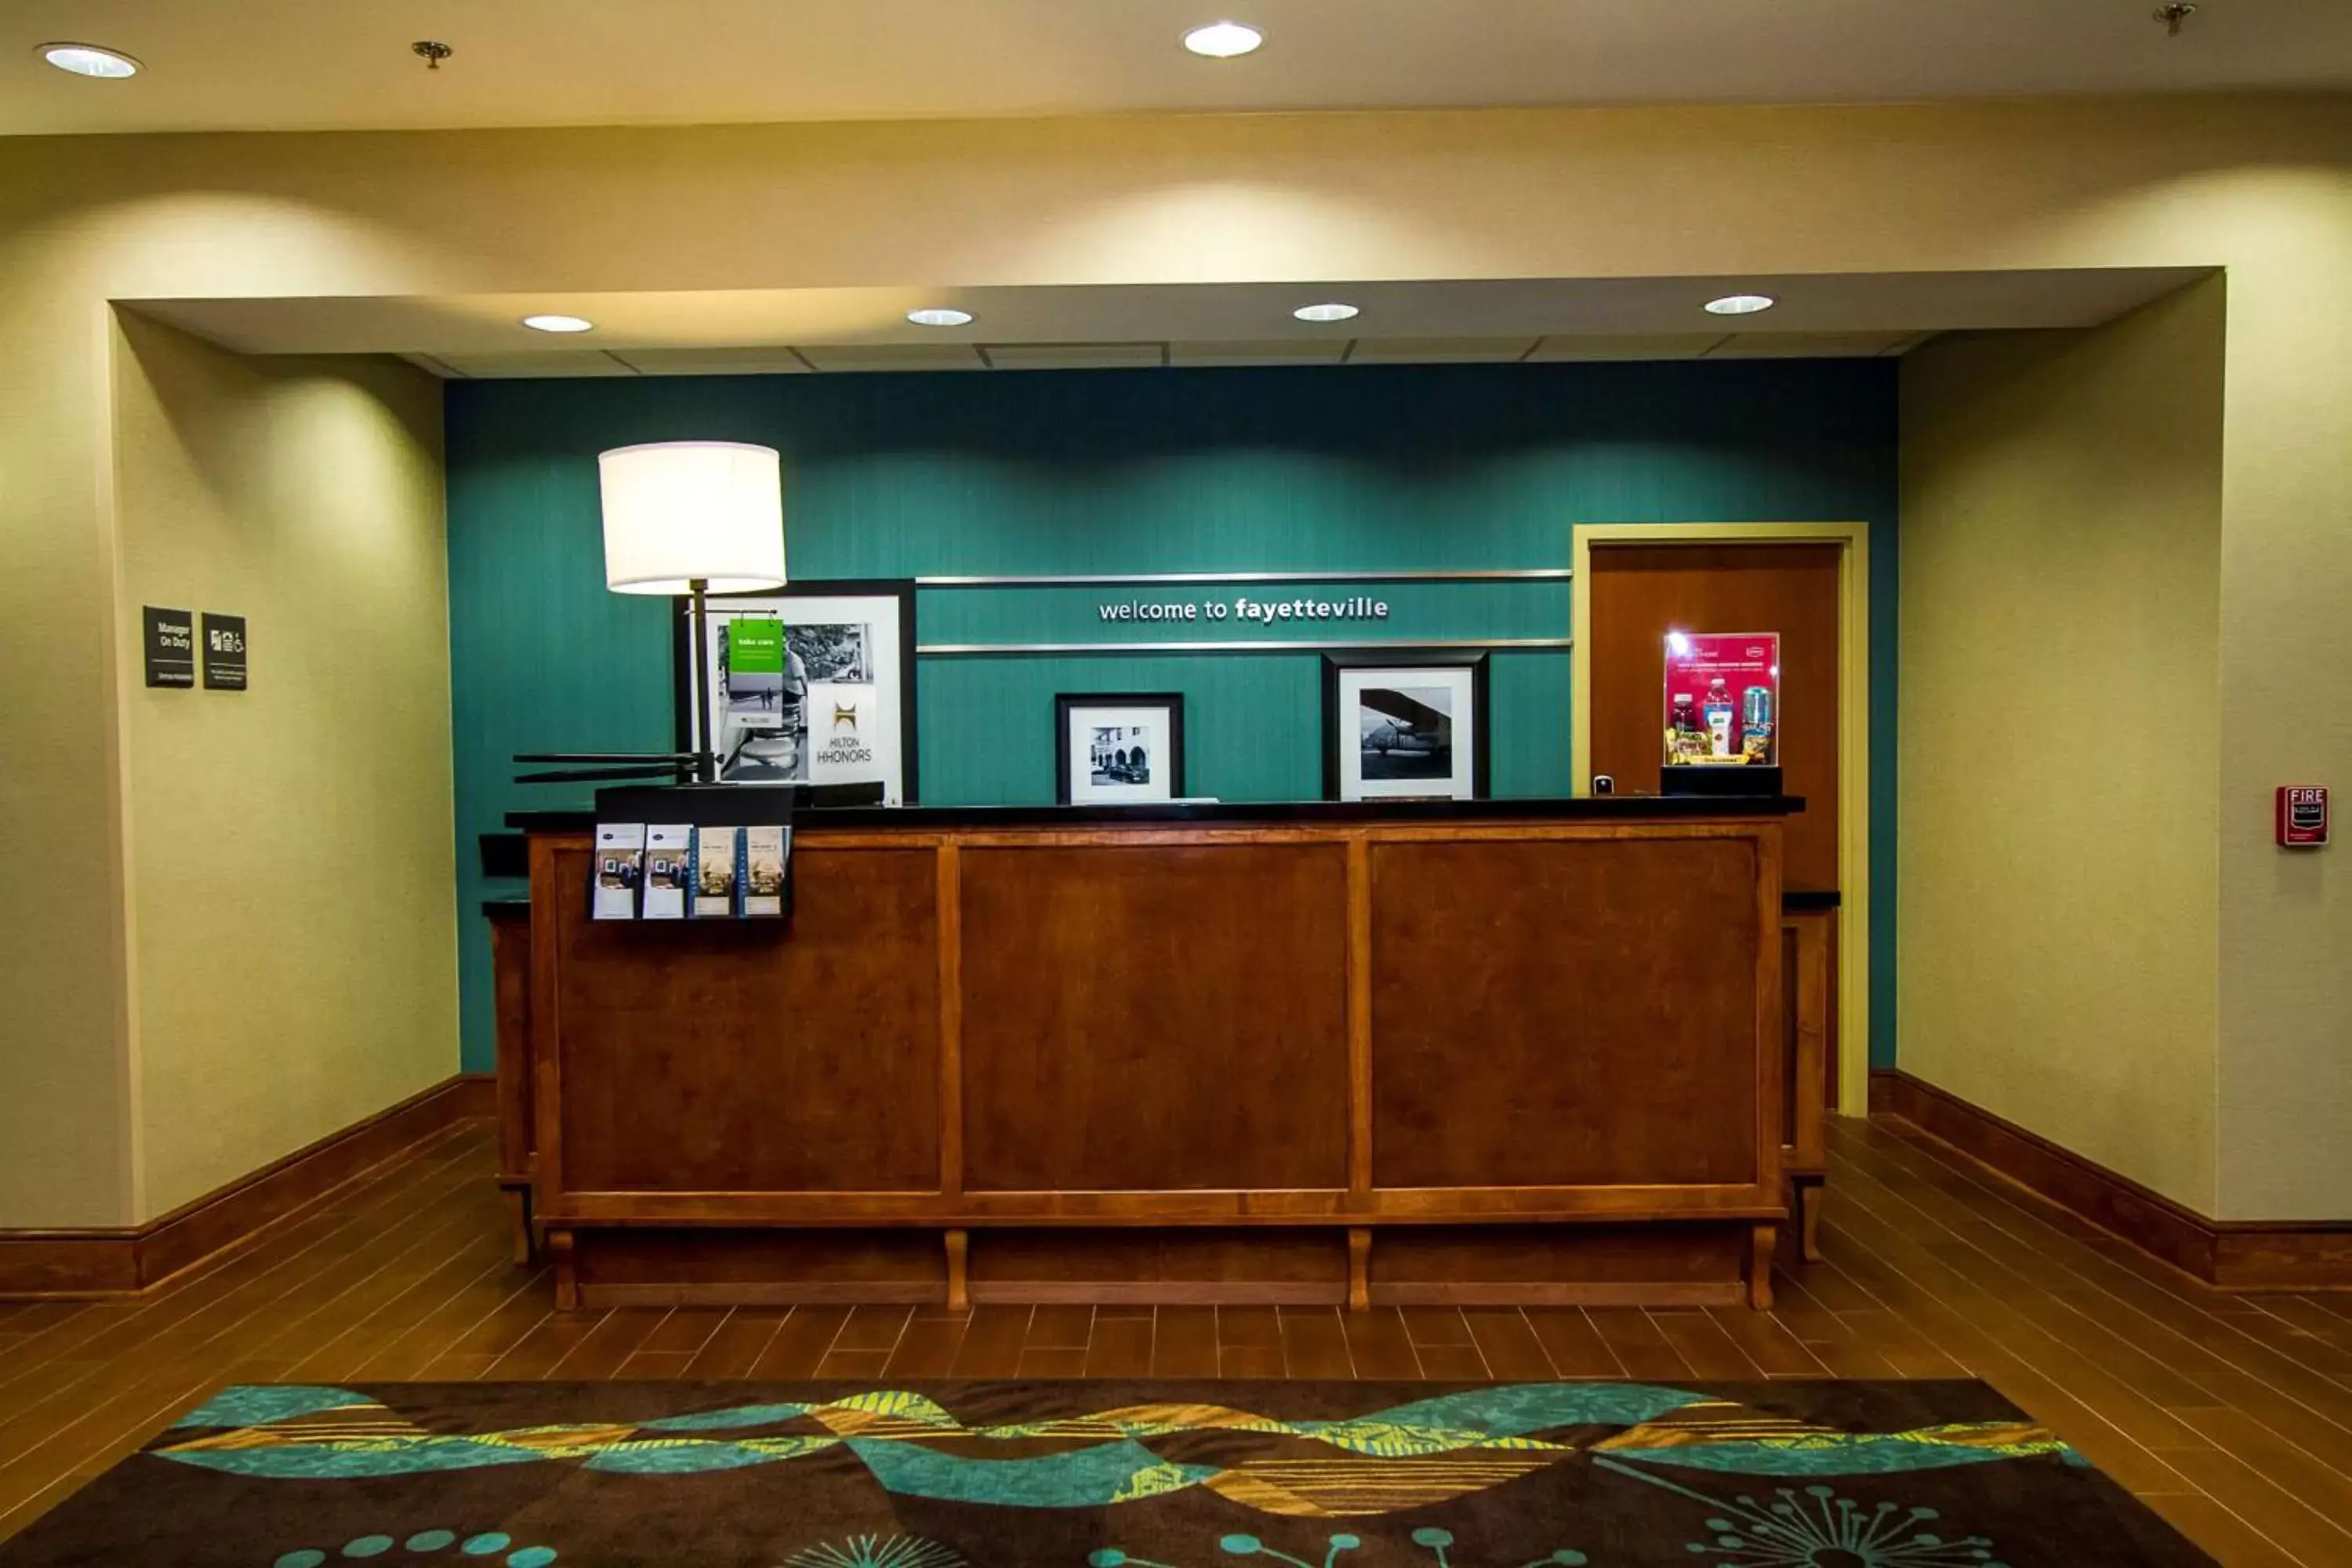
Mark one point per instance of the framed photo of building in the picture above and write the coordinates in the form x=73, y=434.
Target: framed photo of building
x=1404, y=726
x=811, y=683
x=1119, y=748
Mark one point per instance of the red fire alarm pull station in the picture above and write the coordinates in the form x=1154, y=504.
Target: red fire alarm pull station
x=2302, y=815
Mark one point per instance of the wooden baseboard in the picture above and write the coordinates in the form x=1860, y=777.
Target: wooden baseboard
x=129, y=1259
x=2234, y=1254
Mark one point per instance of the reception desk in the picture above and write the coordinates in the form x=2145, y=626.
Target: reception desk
x=1494, y=1052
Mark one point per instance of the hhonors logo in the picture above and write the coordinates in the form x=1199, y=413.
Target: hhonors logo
x=844, y=745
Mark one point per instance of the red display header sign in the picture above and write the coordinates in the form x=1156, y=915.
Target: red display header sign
x=1723, y=698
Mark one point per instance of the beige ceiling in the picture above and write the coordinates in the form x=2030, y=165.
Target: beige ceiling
x=795, y=330
x=317, y=64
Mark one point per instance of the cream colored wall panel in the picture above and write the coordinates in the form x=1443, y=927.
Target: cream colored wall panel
x=1076, y=357
x=1603, y=347
x=66, y=1078
x=1809, y=345
x=1438, y=351
x=1248, y=353
x=2060, y=957
x=1255, y=315
x=2286, y=648
x=294, y=954
x=893, y=356
x=714, y=361
x=550, y=362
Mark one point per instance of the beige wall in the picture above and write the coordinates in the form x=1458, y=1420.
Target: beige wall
x=2262, y=186
x=2059, y=955
x=293, y=940
x=2286, y=649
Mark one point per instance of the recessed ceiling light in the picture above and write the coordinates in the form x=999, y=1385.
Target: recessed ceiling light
x=558, y=323
x=940, y=316
x=1223, y=40
x=1333, y=312
x=1740, y=304
x=89, y=59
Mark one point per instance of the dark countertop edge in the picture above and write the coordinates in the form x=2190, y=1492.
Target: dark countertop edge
x=937, y=818
x=1798, y=901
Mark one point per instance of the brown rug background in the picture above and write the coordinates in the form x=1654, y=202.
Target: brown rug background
x=828, y=1510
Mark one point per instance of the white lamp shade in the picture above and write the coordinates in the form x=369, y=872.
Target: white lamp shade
x=678, y=510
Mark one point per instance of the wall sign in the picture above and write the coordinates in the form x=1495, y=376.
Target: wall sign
x=224, y=652
x=1358, y=607
x=171, y=638
x=2302, y=815
x=1048, y=615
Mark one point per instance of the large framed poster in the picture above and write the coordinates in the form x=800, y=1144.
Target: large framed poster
x=813, y=683
x=1404, y=726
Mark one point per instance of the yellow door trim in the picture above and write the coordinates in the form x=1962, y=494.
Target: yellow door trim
x=1854, y=737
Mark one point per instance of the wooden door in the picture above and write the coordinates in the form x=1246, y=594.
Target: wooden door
x=1638, y=593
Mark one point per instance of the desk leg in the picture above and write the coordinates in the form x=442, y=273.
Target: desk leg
x=567, y=1271
x=1809, y=1196
x=519, y=1222
x=1762, y=1242
x=1360, y=1269
x=959, y=1244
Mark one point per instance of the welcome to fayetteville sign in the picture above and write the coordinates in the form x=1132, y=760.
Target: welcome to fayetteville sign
x=1244, y=608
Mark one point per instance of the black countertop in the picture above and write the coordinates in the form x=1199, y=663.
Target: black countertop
x=937, y=818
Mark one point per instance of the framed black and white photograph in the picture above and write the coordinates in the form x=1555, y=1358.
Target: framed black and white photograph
x=813, y=683
x=1119, y=748
x=1404, y=726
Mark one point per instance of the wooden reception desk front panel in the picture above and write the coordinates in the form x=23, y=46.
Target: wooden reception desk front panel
x=1494, y=1061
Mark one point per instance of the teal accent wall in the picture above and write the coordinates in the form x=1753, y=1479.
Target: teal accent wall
x=1407, y=467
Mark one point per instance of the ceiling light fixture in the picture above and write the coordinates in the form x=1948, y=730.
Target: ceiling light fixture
x=940, y=316
x=1332, y=312
x=558, y=323
x=1740, y=304
x=1223, y=40
x=89, y=59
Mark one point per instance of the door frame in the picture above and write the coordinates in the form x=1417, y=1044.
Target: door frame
x=1854, y=736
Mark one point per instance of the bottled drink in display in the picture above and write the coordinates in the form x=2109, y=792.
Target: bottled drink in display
x=1683, y=740
x=1720, y=713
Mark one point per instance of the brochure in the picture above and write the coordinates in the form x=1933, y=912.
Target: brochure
x=669, y=849
x=764, y=853
x=716, y=851
x=620, y=858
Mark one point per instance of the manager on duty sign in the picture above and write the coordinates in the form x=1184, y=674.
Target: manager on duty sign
x=173, y=645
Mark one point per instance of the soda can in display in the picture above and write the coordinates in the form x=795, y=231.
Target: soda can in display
x=1755, y=722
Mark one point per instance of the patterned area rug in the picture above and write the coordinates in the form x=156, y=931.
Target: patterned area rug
x=1105, y=1475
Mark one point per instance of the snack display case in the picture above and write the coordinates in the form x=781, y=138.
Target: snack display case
x=1722, y=713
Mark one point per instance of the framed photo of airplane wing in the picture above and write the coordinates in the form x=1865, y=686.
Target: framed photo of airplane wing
x=1404, y=726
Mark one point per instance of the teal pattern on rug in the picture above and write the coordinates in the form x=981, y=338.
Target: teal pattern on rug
x=1414, y=1453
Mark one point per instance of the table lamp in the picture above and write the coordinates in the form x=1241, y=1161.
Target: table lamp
x=693, y=516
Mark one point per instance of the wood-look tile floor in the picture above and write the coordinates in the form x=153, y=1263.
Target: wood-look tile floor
x=2230, y=1416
